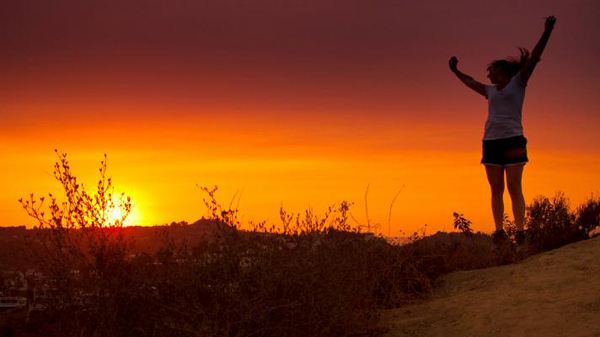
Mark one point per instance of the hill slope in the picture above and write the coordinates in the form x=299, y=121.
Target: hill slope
x=556, y=293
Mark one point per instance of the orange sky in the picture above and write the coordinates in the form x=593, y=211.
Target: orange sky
x=301, y=105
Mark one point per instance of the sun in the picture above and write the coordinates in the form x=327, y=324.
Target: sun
x=116, y=214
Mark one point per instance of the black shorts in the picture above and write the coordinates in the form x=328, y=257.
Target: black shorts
x=505, y=151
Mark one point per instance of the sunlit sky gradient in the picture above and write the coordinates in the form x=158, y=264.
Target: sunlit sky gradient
x=294, y=103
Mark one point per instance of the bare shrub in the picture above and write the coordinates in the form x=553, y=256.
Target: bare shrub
x=81, y=250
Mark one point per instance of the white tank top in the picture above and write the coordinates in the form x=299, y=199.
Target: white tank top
x=505, y=110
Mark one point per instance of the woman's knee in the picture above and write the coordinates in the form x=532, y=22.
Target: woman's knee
x=514, y=176
x=497, y=188
x=515, y=190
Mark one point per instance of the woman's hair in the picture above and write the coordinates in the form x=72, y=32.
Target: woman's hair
x=510, y=65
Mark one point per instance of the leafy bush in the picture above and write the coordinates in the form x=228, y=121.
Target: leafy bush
x=551, y=224
x=588, y=215
x=462, y=224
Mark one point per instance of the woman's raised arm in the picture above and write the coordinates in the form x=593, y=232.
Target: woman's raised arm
x=536, y=54
x=466, y=79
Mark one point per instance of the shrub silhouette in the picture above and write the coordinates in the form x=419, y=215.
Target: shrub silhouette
x=462, y=224
x=551, y=224
x=81, y=249
x=588, y=215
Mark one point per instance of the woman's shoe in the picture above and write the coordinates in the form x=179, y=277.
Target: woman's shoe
x=499, y=237
x=520, y=238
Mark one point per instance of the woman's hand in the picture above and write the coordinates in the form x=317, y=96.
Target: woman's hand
x=452, y=63
x=550, y=21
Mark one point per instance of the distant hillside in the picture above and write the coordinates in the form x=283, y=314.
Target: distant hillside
x=556, y=293
x=16, y=243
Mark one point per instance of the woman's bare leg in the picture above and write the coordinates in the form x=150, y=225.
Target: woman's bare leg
x=514, y=177
x=495, y=175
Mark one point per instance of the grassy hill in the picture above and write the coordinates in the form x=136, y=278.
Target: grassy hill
x=556, y=293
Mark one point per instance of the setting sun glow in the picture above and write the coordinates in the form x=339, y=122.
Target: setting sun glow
x=116, y=214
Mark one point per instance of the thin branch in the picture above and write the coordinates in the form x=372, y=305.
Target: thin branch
x=367, y=209
x=390, y=211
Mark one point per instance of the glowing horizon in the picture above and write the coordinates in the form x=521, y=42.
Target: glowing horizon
x=430, y=201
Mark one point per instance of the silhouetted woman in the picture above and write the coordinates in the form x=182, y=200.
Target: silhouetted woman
x=504, y=145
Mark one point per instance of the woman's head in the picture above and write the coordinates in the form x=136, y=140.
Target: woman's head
x=503, y=70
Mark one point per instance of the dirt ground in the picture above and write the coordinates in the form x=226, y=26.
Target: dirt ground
x=553, y=294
